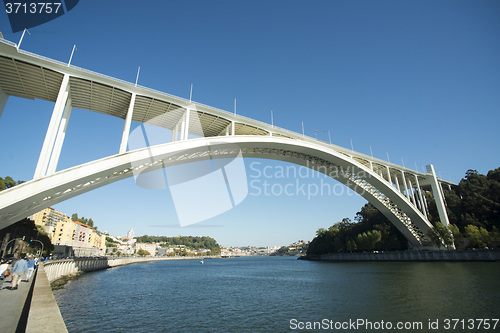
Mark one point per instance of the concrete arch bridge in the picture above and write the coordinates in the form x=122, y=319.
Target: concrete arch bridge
x=398, y=192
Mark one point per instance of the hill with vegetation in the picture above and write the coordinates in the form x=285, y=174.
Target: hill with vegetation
x=189, y=242
x=473, y=208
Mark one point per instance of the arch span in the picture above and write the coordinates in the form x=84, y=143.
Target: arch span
x=30, y=197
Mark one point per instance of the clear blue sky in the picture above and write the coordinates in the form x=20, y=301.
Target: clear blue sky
x=419, y=80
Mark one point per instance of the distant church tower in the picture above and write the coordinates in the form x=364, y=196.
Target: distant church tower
x=130, y=234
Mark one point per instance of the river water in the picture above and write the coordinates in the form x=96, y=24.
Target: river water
x=282, y=294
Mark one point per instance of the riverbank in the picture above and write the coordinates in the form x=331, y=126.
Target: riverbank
x=408, y=256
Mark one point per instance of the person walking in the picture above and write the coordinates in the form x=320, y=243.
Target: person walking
x=20, y=267
x=31, y=269
x=4, y=272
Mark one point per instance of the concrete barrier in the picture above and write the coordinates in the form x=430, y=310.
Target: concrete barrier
x=56, y=269
x=424, y=256
x=44, y=315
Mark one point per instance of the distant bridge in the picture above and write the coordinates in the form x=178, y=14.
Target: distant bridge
x=398, y=192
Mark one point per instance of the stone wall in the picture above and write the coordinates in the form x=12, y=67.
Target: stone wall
x=466, y=255
x=56, y=269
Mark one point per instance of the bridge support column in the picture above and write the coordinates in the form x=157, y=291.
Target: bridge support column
x=50, y=136
x=232, y=127
x=186, y=124
x=183, y=126
x=397, y=184
x=438, y=196
x=175, y=132
x=179, y=126
x=406, y=186
x=126, y=127
x=421, y=200
x=3, y=101
x=412, y=195
x=389, y=175
x=61, y=133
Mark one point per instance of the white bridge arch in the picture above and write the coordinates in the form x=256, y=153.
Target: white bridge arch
x=398, y=192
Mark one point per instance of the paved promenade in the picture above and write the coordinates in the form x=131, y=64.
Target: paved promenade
x=11, y=306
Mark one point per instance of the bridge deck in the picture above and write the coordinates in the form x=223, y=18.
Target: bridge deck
x=28, y=75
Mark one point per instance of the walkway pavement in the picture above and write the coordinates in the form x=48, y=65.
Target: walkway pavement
x=11, y=305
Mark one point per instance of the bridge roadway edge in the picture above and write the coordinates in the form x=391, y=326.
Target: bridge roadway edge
x=41, y=310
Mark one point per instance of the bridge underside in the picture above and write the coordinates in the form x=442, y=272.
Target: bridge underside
x=28, y=198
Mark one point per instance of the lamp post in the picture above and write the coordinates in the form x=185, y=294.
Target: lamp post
x=36, y=240
x=22, y=36
x=71, y=57
x=303, y=133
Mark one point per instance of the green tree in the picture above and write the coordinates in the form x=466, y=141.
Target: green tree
x=8, y=182
x=143, y=252
x=368, y=240
x=458, y=237
x=351, y=245
x=283, y=251
x=320, y=231
x=439, y=235
x=444, y=233
x=478, y=237
x=434, y=237
x=26, y=228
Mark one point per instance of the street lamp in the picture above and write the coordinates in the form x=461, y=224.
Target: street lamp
x=22, y=36
x=36, y=240
x=303, y=133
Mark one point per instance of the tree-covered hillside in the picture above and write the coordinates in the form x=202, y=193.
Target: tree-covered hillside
x=190, y=242
x=473, y=210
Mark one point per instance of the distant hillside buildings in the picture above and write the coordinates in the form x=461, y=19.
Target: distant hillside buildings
x=70, y=238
